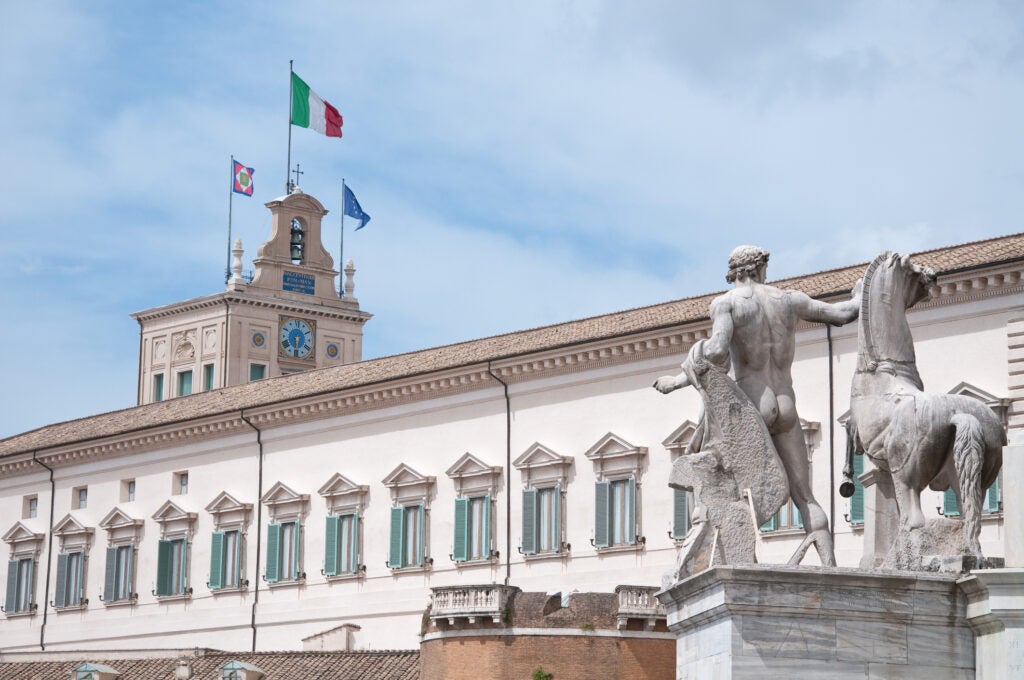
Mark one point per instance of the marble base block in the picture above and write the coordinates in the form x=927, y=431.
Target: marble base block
x=790, y=623
x=995, y=609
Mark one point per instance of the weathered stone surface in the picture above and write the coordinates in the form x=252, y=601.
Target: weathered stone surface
x=920, y=440
x=797, y=622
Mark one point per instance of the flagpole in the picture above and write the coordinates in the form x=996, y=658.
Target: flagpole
x=341, y=250
x=231, y=196
x=288, y=168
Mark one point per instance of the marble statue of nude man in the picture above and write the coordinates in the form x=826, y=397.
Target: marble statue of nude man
x=755, y=325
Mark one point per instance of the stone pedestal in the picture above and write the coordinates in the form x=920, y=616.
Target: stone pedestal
x=995, y=610
x=796, y=622
x=881, y=517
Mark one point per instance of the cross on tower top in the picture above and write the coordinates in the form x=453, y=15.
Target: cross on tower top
x=297, y=172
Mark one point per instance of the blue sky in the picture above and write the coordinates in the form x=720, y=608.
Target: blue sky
x=525, y=163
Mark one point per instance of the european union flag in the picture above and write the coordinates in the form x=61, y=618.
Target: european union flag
x=354, y=210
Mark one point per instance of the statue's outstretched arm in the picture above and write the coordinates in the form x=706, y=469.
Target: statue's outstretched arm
x=837, y=314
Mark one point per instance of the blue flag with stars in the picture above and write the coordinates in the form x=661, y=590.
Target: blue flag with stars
x=354, y=210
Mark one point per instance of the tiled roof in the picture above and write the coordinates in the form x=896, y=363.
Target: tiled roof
x=379, y=665
x=365, y=373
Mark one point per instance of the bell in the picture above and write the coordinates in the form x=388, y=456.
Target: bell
x=296, y=251
x=296, y=237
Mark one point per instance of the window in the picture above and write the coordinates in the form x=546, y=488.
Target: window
x=991, y=501
x=158, y=387
x=680, y=513
x=207, y=377
x=257, y=371
x=20, y=585
x=80, y=497
x=857, y=500
x=283, y=551
x=118, y=580
x=787, y=517
x=127, y=490
x=172, y=567
x=472, y=529
x=407, y=530
x=70, y=586
x=30, y=507
x=180, y=484
x=341, y=554
x=541, y=520
x=226, y=559
x=615, y=513
x=184, y=383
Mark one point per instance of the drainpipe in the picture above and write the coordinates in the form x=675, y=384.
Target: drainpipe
x=49, y=553
x=259, y=525
x=508, y=477
x=831, y=440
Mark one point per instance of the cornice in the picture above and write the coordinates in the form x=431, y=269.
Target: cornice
x=280, y=304
x=597, y=354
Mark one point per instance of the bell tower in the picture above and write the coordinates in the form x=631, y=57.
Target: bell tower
x=288, y=319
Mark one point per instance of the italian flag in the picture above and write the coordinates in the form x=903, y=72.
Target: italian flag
x=310, y=111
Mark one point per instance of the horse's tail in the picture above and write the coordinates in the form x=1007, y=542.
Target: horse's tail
x=968, y=456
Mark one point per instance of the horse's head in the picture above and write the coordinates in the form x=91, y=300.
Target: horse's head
x=892, y=284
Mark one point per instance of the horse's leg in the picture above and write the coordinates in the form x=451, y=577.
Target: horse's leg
x=908, y=502
x=968, y=452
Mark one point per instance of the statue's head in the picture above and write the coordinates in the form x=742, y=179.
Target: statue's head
x=744, y=262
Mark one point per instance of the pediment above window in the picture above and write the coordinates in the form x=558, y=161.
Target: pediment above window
x=284, y=503
x=614, y=456
x=228, y=511
x=407, y=485
x=174, y=520
x=343, y=495
x=812, y=434
x=23, y=541
x=997, y=404
x=72, y=533
x=472, y=476
x=540, y=465
x=678, y=443
x=121, y=527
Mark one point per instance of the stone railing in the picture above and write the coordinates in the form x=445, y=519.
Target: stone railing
x=638, y=602
x=469, y=602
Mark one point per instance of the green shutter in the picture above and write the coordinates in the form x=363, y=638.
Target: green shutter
x=331, y=545
x=993, y=495
x=12, y=586
x=422, y=554
x=397, y=537
x=631, y=511
x=354, y=560
x=529, y=521
x=60, y=595
x=772, y=524
x=273, y=553
x=460, y=544
x=680, y=513
x=485, y=530
x=163, y=567
x=602, y=491
x=31, y=584
x=110, y=576
x=298, y=550
x=949, y=504
x=217, y=560
x=556, y=518
x=857, y=500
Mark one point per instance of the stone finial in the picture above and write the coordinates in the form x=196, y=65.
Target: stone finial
x=236, y=282
x=350, y=284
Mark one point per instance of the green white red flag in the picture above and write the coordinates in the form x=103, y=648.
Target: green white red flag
x=309, y=110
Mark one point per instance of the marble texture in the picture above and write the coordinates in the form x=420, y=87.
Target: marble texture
x=736, y=622
x=995, y=610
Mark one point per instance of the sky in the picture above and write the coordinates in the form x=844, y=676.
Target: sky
x=524, y=163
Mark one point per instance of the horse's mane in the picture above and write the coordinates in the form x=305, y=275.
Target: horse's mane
x=895, y=356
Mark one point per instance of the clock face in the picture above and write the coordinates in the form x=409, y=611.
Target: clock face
x=296, y=338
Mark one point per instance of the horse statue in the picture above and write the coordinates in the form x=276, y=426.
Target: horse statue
x=922, y=440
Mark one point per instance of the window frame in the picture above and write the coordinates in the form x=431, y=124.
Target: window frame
x=343, y=498
x=158, y=387
x=263, y=370
x=229, y=517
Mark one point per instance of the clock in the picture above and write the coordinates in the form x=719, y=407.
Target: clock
x=297, y=337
